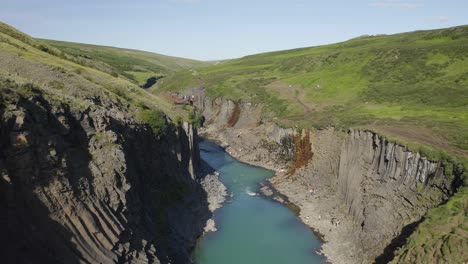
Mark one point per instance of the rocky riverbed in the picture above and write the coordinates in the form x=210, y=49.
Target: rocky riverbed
x=216, y=193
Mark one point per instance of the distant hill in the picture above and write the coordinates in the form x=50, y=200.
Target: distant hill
x=413, y=86
x=134, y=64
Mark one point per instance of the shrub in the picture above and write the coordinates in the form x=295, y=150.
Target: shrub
x=196, y=119
x=141, y=105
x=156, y=120
x=43, y=48
x=178, y=120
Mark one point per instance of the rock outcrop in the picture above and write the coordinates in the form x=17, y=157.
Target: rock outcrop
x=387, y=189
x=94, y=185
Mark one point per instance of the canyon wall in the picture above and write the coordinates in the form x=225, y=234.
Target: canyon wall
x=384, y=188
x=387, y=189
x=94, y=185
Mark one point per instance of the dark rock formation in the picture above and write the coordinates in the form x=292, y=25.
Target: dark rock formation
x=387, y=189
x=94, y=185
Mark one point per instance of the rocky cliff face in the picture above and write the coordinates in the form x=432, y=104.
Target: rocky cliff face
x=387, y=188
x=223, y=114
x=239, y=127
x=93, y=185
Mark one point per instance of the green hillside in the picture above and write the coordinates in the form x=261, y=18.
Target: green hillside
x=413, y=86
x=134, y=64
x=441, y=236
x=26, y=61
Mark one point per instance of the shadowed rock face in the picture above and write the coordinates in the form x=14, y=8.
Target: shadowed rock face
x=387, y=189
x=95, y=186
x=384, y=170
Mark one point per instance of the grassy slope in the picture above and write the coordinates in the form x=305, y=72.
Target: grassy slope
x=411, y=80
x=139, y=64
x=442, y=236
x=24, y=60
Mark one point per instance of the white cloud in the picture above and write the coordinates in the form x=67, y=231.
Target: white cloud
x=395, y=4
x=439, y=18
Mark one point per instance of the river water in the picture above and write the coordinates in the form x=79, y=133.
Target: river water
x=252, y=229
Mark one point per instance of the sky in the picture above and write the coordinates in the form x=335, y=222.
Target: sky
x=222, y=29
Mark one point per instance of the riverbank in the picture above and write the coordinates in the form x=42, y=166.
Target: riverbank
x=325, y=214
x=251, y=226
x=320, y=211
x=215, y=191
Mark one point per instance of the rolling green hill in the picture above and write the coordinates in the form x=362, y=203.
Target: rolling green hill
x=134, y=64
x=28, y=61
x=413, y=86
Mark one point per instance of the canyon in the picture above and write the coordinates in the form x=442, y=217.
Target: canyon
x=377, y=190
x=95, y=169
x=93, y=184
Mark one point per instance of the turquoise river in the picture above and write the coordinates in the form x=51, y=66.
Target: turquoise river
x=252, y=228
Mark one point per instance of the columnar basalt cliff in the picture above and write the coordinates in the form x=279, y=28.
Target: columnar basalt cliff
x=383, y=188
x=387, y=188
x=93, y=185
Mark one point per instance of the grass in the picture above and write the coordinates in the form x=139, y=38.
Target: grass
x=157, y=121
x=141, y=77
x=57, y=73
x=123, y=61
x=442, y=237
x=413, y=79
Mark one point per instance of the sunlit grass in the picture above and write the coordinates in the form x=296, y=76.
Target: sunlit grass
x=418, y=78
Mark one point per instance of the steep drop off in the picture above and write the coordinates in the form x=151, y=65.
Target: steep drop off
x=92, y=184
x=388, y=189
x=380, y=190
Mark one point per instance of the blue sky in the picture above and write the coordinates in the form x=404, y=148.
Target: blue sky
x=221, y=29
